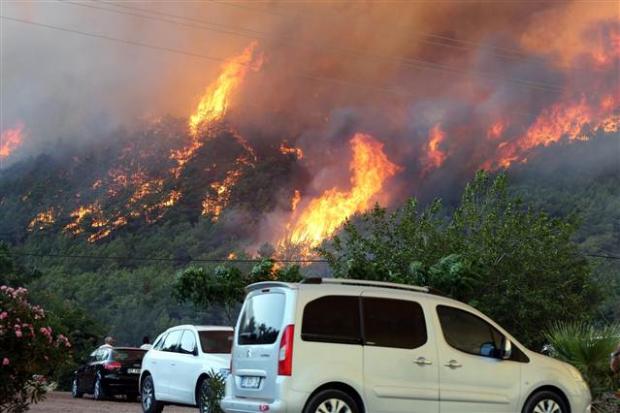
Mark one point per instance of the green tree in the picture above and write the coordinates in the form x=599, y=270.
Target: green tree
x=517, y=265
x=225, y=285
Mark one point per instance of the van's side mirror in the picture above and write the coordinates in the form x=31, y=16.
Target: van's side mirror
x=506, y=352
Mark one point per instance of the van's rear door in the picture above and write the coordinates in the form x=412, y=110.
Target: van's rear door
x=264, y=316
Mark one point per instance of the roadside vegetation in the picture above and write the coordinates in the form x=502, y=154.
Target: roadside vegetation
x=514, y=248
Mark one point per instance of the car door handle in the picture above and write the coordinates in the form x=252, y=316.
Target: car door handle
x=453, y=364
x=422, y=361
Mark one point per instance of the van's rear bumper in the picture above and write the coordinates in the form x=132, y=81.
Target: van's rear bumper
x=230, y=405
x=286, y=401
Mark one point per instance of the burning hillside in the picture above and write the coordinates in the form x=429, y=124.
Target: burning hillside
x=307, y=125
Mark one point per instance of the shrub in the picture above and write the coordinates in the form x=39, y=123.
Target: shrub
x=586, y=347
x=217, y=387
x=30, y=351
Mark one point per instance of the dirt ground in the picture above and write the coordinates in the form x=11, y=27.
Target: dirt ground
x=60, y=402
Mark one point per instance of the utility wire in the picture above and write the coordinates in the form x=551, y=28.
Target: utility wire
x=207, y=260
x=131, y=258
x=253, y=34
x=395, y=91
x=115, y=39
x=431, y=38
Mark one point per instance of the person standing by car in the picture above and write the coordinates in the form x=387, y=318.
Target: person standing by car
x=108, y=342
x=146, y=343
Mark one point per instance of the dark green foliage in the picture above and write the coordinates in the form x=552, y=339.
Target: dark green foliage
x=587, y=347
x=225, y=285
x=515, y=264
x=217, y=387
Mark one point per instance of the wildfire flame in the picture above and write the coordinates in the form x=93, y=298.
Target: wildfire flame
x=42, y=220
x=435, y=156
x=10, y=140
x=285, y=149
x=562, y=120
x=216, y=99
x=295, y=200
x=322, y=216
x=215, y=102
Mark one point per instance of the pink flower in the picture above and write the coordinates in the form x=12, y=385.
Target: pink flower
x=18, y=333
x=47, y=332
x=64, y=340
x=6, y=361
x=3, y=315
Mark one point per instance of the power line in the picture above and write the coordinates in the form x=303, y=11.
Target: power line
x=115, y=39
x=157, y=259
x=431, y=38
x=608, y=257
x=206, y=260
x=392, y=91
x=250, y=33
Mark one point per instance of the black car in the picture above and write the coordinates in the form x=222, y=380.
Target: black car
x=109, y=371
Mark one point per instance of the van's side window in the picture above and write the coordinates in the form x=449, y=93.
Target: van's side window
x=468, y=332
x=332, y=319
x=393, y=323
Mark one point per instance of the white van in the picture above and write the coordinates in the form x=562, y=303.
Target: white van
x=347, y=346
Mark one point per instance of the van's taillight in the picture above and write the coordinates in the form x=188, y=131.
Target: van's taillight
x=112, y=365
x=285, y=357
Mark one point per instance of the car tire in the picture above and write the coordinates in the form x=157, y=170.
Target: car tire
x=545, y=401
x=204, y=395
x=98, y=391
x=147, y=393
x=75, y=389
x=332, y=401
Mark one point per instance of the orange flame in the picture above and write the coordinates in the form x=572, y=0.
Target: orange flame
x=10, y=140
x=557, y=122
x=42, y=220
x=291, y=150
x=496, y=130
x=295, y=200
x=216, y=99
x=322, y=216
x=435, y=157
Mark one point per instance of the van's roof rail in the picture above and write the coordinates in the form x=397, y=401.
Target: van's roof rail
x=365, y=283
x=268, y=284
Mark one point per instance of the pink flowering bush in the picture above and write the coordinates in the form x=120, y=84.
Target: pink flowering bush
x=30, y=351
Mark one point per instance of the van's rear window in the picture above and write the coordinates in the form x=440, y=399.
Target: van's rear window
x=217, y=342
x=261, y=320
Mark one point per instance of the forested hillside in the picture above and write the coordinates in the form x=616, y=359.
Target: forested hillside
x=130, y=293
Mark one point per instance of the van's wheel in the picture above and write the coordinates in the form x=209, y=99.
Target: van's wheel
x=98, y=391
x=147, y=393
x=75, y=389
x=332, y=401
x=545, y=402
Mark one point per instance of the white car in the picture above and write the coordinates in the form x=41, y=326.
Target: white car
x=175, y=368
x=347, y=346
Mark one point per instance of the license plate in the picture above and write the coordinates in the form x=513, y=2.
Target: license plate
x=250, y=382
x=133, y=371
